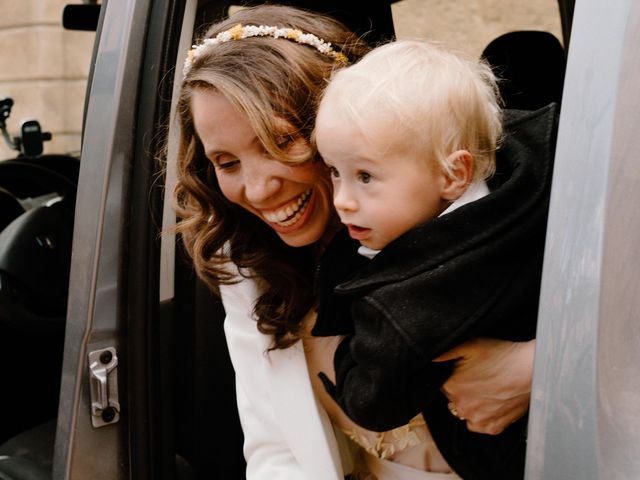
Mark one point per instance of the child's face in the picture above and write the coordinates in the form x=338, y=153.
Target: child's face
x=381, y=188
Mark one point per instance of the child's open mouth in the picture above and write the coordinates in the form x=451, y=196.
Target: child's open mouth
x=358, y=233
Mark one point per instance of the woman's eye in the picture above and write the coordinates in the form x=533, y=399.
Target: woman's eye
x=283, y=146
x=284, y=143
x=226, y=164
x=364, y=177
x=333, y=171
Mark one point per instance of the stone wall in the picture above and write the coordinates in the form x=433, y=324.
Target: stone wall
x=471, y=24
x=44, y=68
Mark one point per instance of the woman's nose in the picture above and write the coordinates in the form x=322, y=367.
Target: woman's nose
x=261, y=181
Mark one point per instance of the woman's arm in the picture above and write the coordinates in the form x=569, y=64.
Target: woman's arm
x=266, y=451
x=382, y=379
x=285, y=434
x=491, y=383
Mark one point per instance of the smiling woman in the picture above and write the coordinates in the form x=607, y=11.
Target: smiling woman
x=250, y=186
x=255, y=206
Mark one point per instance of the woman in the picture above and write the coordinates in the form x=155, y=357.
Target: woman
x=255, y=203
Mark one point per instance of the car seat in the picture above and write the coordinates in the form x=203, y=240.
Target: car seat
x=28, y=456
x=35, y=253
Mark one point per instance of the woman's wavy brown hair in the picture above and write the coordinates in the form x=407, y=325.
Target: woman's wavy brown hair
x=266, y=79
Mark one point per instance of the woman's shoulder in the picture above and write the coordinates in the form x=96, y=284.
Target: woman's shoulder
x=241, y=293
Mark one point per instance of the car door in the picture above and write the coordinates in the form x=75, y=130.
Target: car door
x=113, y=367
x=585, y=405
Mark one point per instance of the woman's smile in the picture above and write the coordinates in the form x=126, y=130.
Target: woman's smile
x=291, y=213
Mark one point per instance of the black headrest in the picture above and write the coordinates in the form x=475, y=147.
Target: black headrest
x=531, y=65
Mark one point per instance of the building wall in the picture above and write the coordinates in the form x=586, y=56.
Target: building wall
x=470, y=25
x=44, y=67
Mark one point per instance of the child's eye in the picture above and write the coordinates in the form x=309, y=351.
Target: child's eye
x=333, y=171
x=364, y=177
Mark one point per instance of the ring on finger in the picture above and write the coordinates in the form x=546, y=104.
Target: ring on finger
x=454, y=411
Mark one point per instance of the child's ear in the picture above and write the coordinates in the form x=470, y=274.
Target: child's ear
x=459, y=176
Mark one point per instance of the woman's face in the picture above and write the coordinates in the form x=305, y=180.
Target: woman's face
x=293, y=200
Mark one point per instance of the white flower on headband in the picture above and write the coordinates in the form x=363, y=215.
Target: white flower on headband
x=238, y=32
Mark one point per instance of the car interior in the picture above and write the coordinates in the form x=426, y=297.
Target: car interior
x=186, y=415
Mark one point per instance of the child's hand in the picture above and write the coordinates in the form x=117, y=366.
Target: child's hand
x=491, y=382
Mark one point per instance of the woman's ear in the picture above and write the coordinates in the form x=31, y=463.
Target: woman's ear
x=459, y=175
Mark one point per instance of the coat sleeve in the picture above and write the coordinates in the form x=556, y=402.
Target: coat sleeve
x=287, y=435
x=267, y=454
x=382, y=378
x=266, y=451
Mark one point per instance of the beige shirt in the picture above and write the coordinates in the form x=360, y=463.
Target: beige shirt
x=410, y=445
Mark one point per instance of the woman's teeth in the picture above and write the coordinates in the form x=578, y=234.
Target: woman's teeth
x=287, y=216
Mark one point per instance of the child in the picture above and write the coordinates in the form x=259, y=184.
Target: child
x=410, y=134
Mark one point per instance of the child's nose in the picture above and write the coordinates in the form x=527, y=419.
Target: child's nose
x=343, y=199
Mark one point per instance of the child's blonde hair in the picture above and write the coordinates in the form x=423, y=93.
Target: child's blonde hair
x=435, y=100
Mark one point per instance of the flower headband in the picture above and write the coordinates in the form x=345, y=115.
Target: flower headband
x=239, y=32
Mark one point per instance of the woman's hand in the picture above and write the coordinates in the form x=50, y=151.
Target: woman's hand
x=491, y=382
